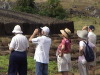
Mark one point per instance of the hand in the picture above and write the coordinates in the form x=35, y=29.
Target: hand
x=8, y=45
x=36, y=31
x=60, y=54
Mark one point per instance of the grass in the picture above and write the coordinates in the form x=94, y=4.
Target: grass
x=79, y=22
x=52, y=67
x=4, y=61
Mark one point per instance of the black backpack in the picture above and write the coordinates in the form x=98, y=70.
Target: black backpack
x=88, y=53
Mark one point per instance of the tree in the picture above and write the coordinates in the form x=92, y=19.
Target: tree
x=25, y=6
x=53, y=8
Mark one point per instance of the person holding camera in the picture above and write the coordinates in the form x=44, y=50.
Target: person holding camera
x=41, y=56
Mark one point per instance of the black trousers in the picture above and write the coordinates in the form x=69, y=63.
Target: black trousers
x=17, y=63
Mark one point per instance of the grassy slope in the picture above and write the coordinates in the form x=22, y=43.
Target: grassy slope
x=80, y=22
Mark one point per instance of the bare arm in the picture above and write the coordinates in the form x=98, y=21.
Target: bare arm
x=80, y=51
x=62, y=49
x=33, y=35
x=11, y=49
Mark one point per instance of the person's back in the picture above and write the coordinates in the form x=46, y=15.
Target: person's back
x=18, y=56
x=82, y=63
x=92, y=37
x=42, y=49
x=21, y=42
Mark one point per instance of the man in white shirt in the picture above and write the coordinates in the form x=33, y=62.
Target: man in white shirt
x=92, y=38
x=42, y=50
x=18, y=57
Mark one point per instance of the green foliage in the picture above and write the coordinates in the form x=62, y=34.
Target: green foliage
x=31, y=64
x=25, y=6
x=52, y=8
x=26, y=9
x=25, y=3
x=4, y=63
x=22, y=3
x=52, y=67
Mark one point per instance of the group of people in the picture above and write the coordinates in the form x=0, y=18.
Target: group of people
x=19, y=46
x=86, y=36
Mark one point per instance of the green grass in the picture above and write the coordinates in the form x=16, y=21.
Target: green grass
x=4, y=61
x=79, y=22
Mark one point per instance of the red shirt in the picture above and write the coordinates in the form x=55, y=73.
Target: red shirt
x=67, y=44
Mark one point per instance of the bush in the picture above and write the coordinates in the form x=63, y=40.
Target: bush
x=52, y=8
x=27, y=6
x=26, y=9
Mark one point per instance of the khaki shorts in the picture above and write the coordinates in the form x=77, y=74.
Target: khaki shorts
x=64, y=63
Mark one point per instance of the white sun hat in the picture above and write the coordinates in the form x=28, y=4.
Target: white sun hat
x=82, y=34
x=17, y=29
x=45, y=29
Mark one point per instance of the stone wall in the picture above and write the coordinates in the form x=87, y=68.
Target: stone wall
x=6, y=29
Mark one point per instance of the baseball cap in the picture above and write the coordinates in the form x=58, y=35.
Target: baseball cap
x=92, y=27
x=45, y=29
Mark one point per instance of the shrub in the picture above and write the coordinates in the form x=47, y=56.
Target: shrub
x=52, y=8
x=26, y=9
x=27, y=6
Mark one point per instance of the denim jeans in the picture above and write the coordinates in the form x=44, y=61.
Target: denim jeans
x=41, y=68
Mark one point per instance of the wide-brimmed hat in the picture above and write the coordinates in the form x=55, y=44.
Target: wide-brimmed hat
x=17, y=29
x=45, y=29
x=85, y=28
x=66, y=32
x=82, y=34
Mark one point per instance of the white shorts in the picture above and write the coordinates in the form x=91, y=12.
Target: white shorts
x=64, y=63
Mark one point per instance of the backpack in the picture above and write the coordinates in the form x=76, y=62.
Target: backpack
x=88, y=53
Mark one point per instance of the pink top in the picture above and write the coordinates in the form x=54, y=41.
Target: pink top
x=67, y=44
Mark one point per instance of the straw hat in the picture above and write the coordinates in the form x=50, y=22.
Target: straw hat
x=82, y=34
x=17, y=29
x=66, y=32
x=85, y=28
